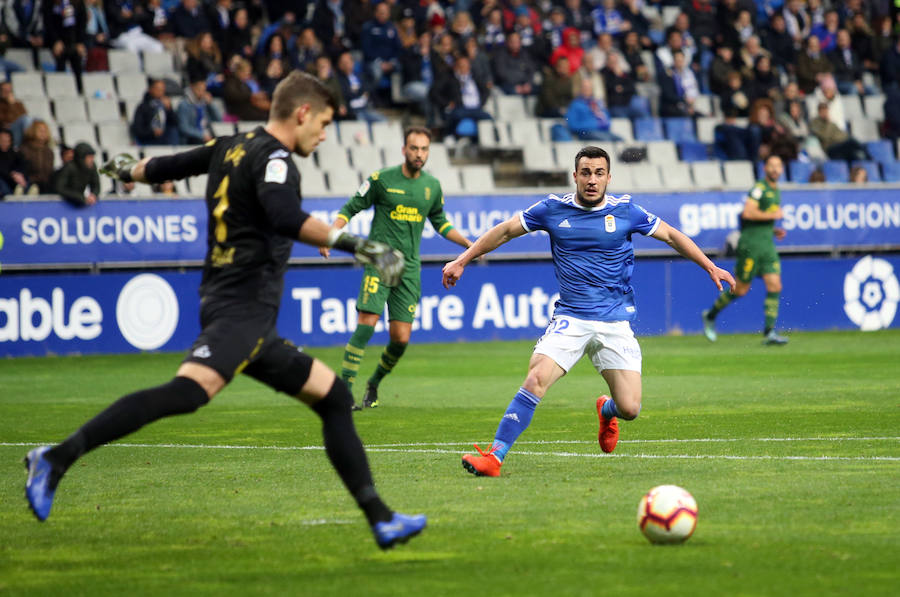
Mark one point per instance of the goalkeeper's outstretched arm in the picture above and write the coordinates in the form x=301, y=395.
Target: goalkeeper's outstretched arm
x=487, y=242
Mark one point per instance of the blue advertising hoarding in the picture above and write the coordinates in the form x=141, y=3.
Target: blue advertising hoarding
x=174, y=230
x=43, y=314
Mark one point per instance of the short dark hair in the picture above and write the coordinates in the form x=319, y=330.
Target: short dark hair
x=416, y=130
x=590, y=152
x=300, y=88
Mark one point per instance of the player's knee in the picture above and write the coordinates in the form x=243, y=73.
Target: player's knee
x=774, y=286
x=629, y=409
x=740, y=290
x=534, y=384
x=192, y=395
x=338, y=399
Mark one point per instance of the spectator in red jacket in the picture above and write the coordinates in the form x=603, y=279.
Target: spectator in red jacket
x=571, y=49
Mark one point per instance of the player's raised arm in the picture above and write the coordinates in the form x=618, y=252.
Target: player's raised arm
x=689, y=250
x=158, y=169
x=487, y=242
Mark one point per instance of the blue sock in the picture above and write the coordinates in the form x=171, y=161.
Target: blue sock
x=516, y=420
x=609, y=410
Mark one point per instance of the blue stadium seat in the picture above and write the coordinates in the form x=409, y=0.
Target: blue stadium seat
x=871, y=167
x=679, y=129
x=881, y=151
x=836, y=171
x=648, y=129
x=800, y=171
x=693, y=151
x=761, y=172
x=890, y=171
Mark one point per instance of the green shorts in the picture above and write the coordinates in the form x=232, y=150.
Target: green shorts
x=754, y=262
x=402, y=299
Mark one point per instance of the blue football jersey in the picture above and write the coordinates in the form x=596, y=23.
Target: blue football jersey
x=592, y=253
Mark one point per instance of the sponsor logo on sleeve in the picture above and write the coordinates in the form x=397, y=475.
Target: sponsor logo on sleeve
x=276, y=171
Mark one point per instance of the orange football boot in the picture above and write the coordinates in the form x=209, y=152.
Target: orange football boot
x=486, y=465
x=608, y=435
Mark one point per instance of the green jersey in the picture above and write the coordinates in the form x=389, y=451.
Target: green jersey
x=401, y=206
x=756, y=232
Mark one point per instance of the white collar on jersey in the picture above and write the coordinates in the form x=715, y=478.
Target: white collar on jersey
x=608, y=201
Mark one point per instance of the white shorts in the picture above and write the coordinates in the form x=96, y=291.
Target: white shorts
x=609, y=344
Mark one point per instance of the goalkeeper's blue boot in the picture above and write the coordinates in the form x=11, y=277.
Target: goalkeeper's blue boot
x=41, y=485
x=399, y=529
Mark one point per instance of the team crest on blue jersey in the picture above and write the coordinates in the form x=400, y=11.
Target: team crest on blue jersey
x=610, y=222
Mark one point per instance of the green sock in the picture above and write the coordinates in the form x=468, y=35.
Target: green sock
x=770, y=306
x=392, y=353
x=354, y=351
x=723, y=301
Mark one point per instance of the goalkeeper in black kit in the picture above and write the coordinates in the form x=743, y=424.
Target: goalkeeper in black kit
x=255, y=215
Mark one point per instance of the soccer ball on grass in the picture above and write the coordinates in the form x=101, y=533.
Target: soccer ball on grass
x=667, y=514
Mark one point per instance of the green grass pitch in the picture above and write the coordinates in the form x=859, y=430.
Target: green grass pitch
x=793, y=455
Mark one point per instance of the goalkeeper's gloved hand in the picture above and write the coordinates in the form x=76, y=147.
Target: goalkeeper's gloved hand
x=119, y=167
x=387, y=261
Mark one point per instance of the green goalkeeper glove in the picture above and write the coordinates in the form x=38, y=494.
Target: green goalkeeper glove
x=387, y=261
x=119, y=167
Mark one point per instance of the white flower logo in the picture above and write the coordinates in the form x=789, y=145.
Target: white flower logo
x=871, y=293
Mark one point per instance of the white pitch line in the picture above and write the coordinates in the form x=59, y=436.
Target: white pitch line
x=411, y=448
x=658, y=441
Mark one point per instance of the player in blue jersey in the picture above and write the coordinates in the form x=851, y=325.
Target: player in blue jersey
x=590, y=238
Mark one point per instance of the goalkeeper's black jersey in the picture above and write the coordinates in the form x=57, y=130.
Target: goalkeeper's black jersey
x=252, y=182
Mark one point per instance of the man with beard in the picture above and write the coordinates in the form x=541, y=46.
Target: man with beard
x=590, y=238
x=403, y=197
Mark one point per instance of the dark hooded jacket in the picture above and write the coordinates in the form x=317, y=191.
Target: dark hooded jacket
x=75, y=177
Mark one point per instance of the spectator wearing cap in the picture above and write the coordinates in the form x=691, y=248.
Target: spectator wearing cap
x=514, y=69
x=78, y=181
x=515, y=13
x=380, y=45
x=154, y=121
x=195, y=113
x=525, y=26
x=811, y=64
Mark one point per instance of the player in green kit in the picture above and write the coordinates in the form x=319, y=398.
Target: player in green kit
x=756, y=253
x=403, y=197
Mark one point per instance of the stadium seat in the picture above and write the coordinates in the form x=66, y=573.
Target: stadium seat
x=466, y=128
x=77, y=132
x=98, y=85
x=545, y=125
x=155, y=151
x=738, y=174
x=677, y=176
x=158, y=64
x=800, y=171
x=353, y=132
x=703, y=105
x=313, y=183
x=70, y=109
x=565, y=152
x=663, y=153
x=447, y=175
x=511, y=108
x=221, y=129
x=669, y=14
x=693, y=151
x=60, y=85
x=197, y=185
x=103, y=110
x=477, y=178
x=836, y=171
x=246, y=126
x=437, y=156
x=761, y=172
x=864, y=129
x=871, y=168
x=706, y=128
x=131, y=85
x=679, y=129
x=503, y=137
x=123, y=61
x=852, y=107
x=110, y=150
x=113, y=133
x=538, y=158
x=648, y=129
x=880, y=151
x=622, y=128
x=367, y=158
x=332, y=157
x=707, y=175
x=487, y=134
x=874, y=105
x=342, y=181
x=890, y=171
x=645, y=176
x=20, y=56
x=28, y=83
x=387, y=134
x=38, y=107
x=526, y=132
x=621, y=180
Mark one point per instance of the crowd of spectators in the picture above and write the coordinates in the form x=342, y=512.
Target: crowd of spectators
x=580, y=61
